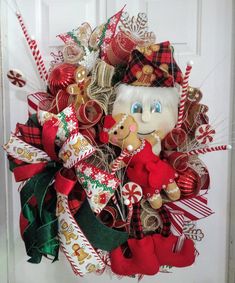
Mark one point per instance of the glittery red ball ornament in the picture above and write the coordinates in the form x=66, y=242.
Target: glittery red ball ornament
x=60, y=77
x=188, y=182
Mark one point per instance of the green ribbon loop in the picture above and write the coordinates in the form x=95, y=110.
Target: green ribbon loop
x=99, y=235
x=40, y=236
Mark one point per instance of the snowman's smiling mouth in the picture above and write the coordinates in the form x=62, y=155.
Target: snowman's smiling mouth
x=145, y=134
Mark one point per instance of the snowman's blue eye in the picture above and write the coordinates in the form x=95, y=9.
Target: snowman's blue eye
x=136, y=107
x=156, y=107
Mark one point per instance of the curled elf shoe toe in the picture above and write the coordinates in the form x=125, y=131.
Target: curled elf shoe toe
x=172, y=191
x=164, y=249
x=140, y=259
x=155, y=201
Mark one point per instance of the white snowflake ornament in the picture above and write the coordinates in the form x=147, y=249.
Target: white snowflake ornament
x=137, y=27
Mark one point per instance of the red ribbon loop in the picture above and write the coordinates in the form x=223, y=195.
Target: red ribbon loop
x=49, y=132
x=174, y=139
x=27, y=171
x=65, y=181
x=178, y=160
x=89, y=114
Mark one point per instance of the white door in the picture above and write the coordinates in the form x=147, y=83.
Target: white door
x=199, y=30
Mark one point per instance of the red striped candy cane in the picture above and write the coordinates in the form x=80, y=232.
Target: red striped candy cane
x=129, y=216
x=184, y=94
x=34, y=49
x=114, y=168
x=209, y=149
x=117, y=161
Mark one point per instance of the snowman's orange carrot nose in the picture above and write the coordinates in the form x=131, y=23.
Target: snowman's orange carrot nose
x=184, y=94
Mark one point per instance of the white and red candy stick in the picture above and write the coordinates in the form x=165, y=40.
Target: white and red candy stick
x=209, y=149
x=34, y=49
x=184, y=94
x=115, y=167
x=38, y=59
x=23, y=27
x=117, y=161
x=129, y=216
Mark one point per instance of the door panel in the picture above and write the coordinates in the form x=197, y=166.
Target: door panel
x=199, y=30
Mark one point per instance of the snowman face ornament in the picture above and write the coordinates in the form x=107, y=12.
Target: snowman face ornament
x=153, y=108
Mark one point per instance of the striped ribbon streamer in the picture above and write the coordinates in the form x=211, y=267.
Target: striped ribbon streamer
x=38, y=100
x=177, y=222
x=194, y=208
x=179, y=243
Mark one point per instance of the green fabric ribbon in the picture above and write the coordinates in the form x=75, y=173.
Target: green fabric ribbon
x=40, y=235
x=99, y=235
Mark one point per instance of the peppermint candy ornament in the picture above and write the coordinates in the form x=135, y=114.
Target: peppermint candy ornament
x=132, y=193
x=16, y=78
x=204, y=134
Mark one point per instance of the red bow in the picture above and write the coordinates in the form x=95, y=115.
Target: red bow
x=109, y=122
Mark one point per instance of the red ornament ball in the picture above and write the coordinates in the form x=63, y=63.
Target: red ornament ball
x=60, y=77
x=189, y=183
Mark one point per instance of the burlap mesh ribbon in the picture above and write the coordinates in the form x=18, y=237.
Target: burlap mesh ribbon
x=100, y=89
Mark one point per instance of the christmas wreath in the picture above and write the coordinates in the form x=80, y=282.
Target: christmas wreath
x=109, y=157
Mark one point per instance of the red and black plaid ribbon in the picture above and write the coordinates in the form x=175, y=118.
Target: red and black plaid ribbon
x=30, y=134
x=76, y=198
x=165, y=230
x=155, y=59
x=136, y=222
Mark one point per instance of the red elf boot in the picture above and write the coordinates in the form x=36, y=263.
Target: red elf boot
x=164, y=249
x=142, y=259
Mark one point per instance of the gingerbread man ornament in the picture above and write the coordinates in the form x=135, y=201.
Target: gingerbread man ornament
x=78, y=89
x=143, y=166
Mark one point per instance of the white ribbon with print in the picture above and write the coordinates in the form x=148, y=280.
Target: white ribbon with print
x=79, y=252
x=66, y=120
x=25, y=152
x=75, y=149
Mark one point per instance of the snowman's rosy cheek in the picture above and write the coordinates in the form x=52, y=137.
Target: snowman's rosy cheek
x=132, y=128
